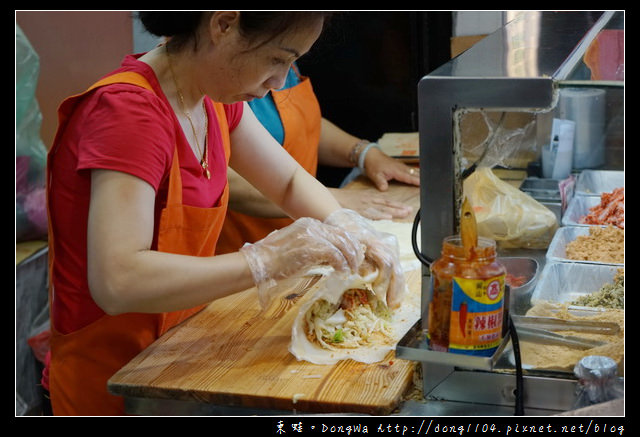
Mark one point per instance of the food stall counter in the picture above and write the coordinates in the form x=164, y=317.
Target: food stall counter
x=233, y=357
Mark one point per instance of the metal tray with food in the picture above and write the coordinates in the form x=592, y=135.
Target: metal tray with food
x=579, y=207
x=596, y=182
x=557, y=251
x=563, y=282
x=577, y=310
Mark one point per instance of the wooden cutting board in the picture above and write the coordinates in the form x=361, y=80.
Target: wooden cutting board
x=233, y=353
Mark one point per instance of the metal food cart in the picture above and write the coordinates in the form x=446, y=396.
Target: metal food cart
x=521, y=70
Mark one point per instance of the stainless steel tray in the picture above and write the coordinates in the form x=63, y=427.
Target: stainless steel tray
x=578, y=208
x=565, y=282
x=564, y=235
x=596, y=182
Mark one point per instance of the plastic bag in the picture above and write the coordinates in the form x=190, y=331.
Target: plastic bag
x=597, y=381
x=491, y=139
x=508, y=215
x=31, y=213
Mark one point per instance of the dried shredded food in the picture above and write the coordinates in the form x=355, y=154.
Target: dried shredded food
x=603, y=244
x=610, y=211
x=611, y=295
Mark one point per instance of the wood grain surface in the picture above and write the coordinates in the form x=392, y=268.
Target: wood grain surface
x=233, y=353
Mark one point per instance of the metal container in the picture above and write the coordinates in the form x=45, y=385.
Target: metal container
x=579, y=207
x=563, y=236
x=596, y=182
x=555, y=208
x=520, y=297
x=565, y=282
x=536, y=184
x=543, y=190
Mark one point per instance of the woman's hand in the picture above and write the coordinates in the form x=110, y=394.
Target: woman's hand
x=381, y=252
x=381, y=168
x=371, y=205
x=293, y=250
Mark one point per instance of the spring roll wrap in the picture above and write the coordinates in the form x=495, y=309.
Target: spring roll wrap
x=346, y=317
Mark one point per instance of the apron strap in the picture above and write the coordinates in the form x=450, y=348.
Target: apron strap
x=64, y=112
x=123, y=77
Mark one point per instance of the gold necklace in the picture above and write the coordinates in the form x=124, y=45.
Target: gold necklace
x=203, y=161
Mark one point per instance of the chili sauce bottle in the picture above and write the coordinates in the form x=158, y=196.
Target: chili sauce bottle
x=465, y=313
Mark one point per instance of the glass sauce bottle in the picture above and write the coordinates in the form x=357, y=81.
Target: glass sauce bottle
x=465, y=311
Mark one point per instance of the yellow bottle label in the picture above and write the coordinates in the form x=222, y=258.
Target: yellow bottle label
x=476, y=315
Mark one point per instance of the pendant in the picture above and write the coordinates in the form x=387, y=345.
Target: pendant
x=205, y=168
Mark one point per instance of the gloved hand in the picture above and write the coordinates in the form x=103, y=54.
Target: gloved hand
x=293, y=250
x=381, y=253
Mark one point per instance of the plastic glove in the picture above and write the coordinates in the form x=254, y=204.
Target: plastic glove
x=293, y=250
x=382, y=253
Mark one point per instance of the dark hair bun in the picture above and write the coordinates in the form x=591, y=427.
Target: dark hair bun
x=161, y=23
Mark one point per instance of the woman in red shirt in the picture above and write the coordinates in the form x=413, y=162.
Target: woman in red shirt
x=137, y=193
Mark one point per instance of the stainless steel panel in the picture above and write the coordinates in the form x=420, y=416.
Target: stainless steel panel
x=445, y=95
x=413, y=346
x=499, y=389
x=516, y=68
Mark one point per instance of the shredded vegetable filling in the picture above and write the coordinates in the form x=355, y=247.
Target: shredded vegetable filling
x=359, y=319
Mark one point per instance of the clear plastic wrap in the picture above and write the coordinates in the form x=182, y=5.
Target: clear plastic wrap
x=597, y=381
x=293, y=250
x=31, y=215
x=491, y=139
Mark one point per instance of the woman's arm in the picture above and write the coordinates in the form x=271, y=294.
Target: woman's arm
x=262, y=161
x=125, y=275
x=335, y=149
x=246, y=199
x=335, y=145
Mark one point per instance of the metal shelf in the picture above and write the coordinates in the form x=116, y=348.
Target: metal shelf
x=413, y=346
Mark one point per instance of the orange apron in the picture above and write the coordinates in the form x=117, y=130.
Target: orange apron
x=300, y=114
x=84, y=360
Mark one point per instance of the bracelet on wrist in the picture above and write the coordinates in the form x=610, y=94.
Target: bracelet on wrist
x=363, y=155
x=356, y=150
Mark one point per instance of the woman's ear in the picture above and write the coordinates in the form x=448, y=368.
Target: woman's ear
x=222, y=23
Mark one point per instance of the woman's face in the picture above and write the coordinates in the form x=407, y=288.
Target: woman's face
x=238, y=72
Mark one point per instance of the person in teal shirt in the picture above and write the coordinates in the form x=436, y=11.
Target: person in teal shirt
x=335, y=148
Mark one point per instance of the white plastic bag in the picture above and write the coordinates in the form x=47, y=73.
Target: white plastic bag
x=508, y=215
